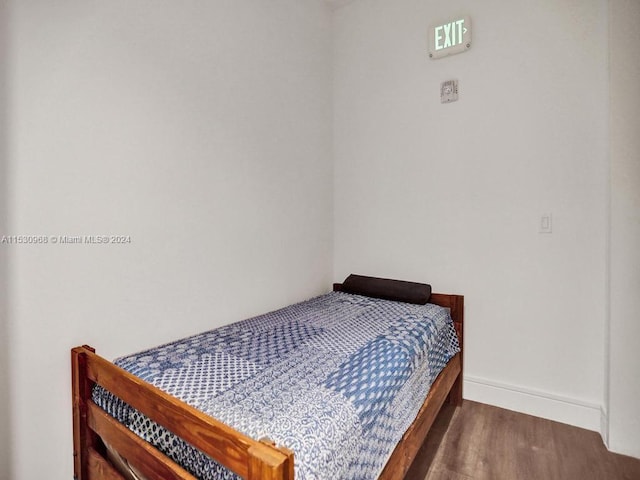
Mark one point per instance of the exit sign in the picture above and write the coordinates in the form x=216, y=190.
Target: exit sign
x=452, y=36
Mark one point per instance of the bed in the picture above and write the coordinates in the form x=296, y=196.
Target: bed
x=104, y=444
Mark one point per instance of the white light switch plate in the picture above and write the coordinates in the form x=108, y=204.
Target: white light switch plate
x=545, y=223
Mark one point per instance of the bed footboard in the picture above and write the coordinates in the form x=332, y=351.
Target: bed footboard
x=248, y=458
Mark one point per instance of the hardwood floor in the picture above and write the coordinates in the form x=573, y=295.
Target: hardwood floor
x=482, y=442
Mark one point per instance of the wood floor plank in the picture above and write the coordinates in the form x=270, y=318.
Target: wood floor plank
x=482, y=442
x=441, y=473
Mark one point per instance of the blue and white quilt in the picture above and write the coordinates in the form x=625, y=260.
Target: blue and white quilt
x=337, y=379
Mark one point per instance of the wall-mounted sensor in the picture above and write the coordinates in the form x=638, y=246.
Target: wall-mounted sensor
x=449, y=91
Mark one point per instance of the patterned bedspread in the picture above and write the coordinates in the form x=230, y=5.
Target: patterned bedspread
x=337, y=379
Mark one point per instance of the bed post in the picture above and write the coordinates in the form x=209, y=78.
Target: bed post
x=457, y=314
x=83, y=437
x=267, y=464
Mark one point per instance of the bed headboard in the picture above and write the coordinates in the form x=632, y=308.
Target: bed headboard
x=455, y=304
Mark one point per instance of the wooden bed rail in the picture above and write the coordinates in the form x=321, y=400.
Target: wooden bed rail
x=245, y=456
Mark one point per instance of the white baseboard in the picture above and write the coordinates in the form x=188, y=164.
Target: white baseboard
x=538, y=403
x=604, y=426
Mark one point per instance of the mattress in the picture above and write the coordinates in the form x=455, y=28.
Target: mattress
x=338, y=379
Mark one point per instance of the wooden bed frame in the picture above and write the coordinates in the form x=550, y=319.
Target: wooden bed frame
x=251, y=459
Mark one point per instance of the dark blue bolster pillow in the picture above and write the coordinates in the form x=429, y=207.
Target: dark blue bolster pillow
x=387, y=289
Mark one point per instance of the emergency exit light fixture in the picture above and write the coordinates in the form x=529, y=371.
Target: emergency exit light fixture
x=450, y=37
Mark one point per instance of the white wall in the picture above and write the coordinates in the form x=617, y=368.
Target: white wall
x=624, y=328
x=5, y=438
x=200, y=129
x=452, y=194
